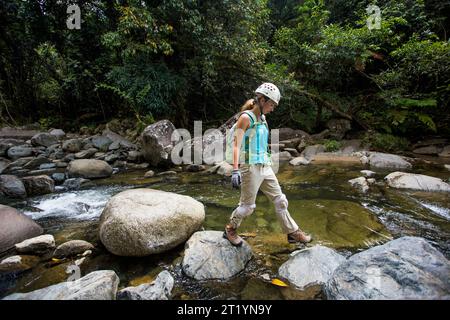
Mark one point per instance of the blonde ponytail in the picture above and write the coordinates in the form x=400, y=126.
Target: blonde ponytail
x=248, y=105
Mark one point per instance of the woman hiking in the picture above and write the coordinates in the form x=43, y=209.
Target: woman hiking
x=255, y=172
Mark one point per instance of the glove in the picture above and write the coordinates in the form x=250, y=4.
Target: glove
x=236, y=178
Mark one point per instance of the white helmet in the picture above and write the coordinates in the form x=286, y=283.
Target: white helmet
x=270, y=91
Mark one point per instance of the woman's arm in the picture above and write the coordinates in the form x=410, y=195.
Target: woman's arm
x=241, y=126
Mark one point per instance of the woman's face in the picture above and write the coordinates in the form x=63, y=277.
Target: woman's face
x=268, y=106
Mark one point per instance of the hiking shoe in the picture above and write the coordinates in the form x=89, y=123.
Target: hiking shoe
x=231, y=235
x=298, y=236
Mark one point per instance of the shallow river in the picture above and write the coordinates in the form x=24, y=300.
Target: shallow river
x=320, y=199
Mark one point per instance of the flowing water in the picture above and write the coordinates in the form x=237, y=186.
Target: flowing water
x=320, y=199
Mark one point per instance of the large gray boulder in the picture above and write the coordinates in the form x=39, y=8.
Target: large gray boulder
x=141, y=222
x=311, y=267
x=15, y=227
x=89, y=169
x=386, y=160
x=44, y=139
x=403, y=180
x=405, y=268
x=157, y=144
x=160, y=289
x=12, y=187
x=97, y=285
x=38, y=185
x=208, y=255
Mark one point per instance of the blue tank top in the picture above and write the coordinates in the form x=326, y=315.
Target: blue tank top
x=256, y=142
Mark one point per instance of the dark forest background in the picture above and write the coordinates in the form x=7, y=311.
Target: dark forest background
x=187, y=60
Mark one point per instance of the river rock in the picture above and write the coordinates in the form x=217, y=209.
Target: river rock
x=101, y=142
x=72, y=145
x=36, y=162
x=4, y=163
x=97, y=285
x=166, y=173
x=430, y=150
x=360, y=183
x=46, y=166
x=89, y=169
x=119, y=140
x=224, y=169
x=138, y=166
x=12, y=187
x=111, y=158
x=71, y=248
x=43, y=139
x=311, y=267
x=18, y=263
x=368, y=173
x=327, y=158
x=403, y=180
x=20, y=152
x=58, y=133
x=160, y=289
x=208, y=255
x=134, y=156
x=445, y=152
x=36, y=245
x=311, y=151
x=299, y=161
x=405, y=268
x=40, y=172
x=292, y=151
x=350, y=146
x=157, y=144
x=85, y=154
x=15, y=227
x=141, y=222
x=291, y=143
x=5, y=144
x=281, y=156
x=38, y=185
x=385, y=160
x=288, y=134
x=75, y=183
x=194, y=168
x=149, y=174
x=58, y=177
